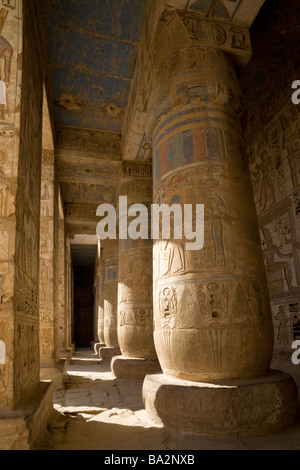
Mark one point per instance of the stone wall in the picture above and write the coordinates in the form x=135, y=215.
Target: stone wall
x=22, y=74
x=273, y=147
x=28, y=210
x=10, y=76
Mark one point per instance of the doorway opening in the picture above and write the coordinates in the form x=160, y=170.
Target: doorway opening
x=83, y=327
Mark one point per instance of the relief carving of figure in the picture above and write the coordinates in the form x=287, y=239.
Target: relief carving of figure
x=6, y=52
x=215, y=209
x=267, y=190
x=273, y=266
x=291, y=147
x=282, y=335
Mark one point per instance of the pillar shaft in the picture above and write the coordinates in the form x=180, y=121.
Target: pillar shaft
x=100, y=302
x=212, y=313
x=49, y=329
x=110, y=257
x=135, y=308
x=61, y=281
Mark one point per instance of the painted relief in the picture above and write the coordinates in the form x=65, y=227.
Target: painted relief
x=281, y=251
x=198, y=146
x=171, y=258
x=274, y=161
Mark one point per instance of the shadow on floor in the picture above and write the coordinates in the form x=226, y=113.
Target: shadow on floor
x=96, y=411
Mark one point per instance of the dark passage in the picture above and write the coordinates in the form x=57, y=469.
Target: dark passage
x=83, y=306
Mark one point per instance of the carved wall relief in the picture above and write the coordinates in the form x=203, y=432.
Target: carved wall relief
x=273, y=152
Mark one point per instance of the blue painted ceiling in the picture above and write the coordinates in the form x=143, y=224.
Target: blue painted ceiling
x=91, y=48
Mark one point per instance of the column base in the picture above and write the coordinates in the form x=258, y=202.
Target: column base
x=57, y=373
x=253, y=407
x=106, y=354
x=97, y=347
x=129, y=368
x=26, y=428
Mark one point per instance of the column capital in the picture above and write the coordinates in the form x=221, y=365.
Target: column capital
x=187, y=29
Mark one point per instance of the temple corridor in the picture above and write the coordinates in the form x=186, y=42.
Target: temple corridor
x=149, y=224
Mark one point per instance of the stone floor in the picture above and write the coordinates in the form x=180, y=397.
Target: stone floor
x=98, y=412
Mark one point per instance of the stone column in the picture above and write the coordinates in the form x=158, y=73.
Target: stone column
x=69, y=298
x=61, y=288
x=25, y=401
x=213, y=326
x=110, y=258
x=99, y=303
x=135, y=302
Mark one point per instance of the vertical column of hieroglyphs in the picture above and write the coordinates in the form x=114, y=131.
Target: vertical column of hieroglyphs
x=273, y=146
x=49, y=337
x=10, y=80
x=212, y=313
x=135, y=301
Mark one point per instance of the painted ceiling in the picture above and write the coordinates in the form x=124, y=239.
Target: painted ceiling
x=92, y=47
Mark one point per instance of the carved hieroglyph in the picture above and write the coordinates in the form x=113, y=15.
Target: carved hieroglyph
x=211, y=307
x=135, y=312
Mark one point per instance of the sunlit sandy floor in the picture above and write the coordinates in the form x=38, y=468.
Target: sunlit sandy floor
x=98, y=412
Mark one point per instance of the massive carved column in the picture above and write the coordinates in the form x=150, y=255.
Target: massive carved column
x=110, y=258
x=213, y=327
x=135, y=303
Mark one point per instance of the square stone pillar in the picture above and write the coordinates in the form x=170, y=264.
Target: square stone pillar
x=61, y=287
x=25, y=401
x=52, y=366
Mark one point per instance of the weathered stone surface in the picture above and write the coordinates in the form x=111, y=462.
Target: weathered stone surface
x=129, y=368
x=107, y=353
x=25, y=428
x=238, y=408
x=110, y=257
